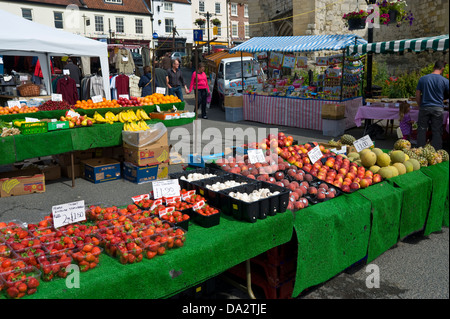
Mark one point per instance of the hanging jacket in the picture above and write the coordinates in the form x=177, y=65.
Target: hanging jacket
x=124, y=62
x=67, y=87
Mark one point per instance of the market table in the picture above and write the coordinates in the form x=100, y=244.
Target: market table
x=388, y=113
x=293, y=112
x=207, y=253
x=357, y=227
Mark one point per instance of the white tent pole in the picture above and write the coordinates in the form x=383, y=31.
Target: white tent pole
x=105, y=75
x=45, y=67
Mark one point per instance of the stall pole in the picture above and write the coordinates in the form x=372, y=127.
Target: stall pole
x=242, y=72
x=196, y=83
x=342, y=74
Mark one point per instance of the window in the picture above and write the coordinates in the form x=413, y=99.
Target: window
x=246, y=10
x=219, y=30
x=234, y=30
x=234, y=9
x=99, y=23
x=139, y=26
x=119, y=25
x=217, y=7
x=247, y=30
x=168, y=6
x=114, y=1
x=169, y=25
x=58, y=20
x=201, y=6
x=26, y=13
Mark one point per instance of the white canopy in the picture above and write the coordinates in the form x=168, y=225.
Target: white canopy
x=21, y=37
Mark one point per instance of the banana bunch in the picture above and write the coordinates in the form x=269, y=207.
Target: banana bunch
x=98, y=118
x=9, y=185
x=127, y=116
x=135, y=126
x=142, y=115
x=111, y=117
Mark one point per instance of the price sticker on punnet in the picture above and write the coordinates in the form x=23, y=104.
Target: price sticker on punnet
x=166, y=188
x=256, y=156
x=68, y=213
x=315, y=154
x=362, y=143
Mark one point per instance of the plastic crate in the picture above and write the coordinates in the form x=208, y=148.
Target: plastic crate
x=234, y=114
x=333, y=128
x=33, y=128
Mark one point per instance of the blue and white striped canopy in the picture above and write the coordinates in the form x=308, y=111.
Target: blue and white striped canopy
x=306, y=43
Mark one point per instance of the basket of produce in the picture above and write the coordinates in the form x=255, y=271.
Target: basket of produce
x=29, y=89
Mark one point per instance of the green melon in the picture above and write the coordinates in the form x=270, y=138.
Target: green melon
x=400, y=168
x=386, y=172
x=409, y=166
x=383, y=160
x=368, y=158
x=397, y=157
x=415, y=163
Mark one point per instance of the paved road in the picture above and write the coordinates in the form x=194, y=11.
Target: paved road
x=417, y=268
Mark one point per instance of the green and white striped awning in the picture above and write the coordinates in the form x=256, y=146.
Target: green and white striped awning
x=437, y=43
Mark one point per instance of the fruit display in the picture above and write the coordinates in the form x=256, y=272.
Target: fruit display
x=19, y=283
x=54, y=105
x=132, y=101
x=400, y=160
x=78, y=121
x=5, y=110
x=6, y=129
x=54, y=266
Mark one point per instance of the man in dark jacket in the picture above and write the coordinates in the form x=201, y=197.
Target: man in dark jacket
x=146, y=82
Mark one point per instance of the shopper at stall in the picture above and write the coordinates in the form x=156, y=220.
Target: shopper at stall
x=74, y=73
x=405, y=120
x=431, y=92
x=166, y=63
x=160, y=78
x=200, y=78
x=146, y=81
x=175, y=81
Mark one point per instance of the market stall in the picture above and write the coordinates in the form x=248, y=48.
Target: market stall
x=27, y=38
x=383, y=108
x=297, y=101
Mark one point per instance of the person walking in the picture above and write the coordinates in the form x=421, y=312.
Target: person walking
x=166, y=61
x=199, y=77
x=175, y=81
x=432, y=89
x=146, y=82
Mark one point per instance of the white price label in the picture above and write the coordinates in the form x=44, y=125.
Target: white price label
x=124, y=96
x=156, y=203
x=188, y=194
x=140, y=197
x=343, y=150
x=72, y=113
x=125, y=59
x=161, y=90
x=198, y=205
x=23, y=78
x=158, y=109
x=315, y=154
x=97, y=99
x=31, y=119
x=173, y=200
x=166, y=211
x=166, y=188
x=57, y=97
x=66, y=71
x=363, y=143
x=68, y=213
x=13, y=103
x=256, y=156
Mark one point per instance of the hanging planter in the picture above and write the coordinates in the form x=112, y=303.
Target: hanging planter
x=355, y=20
x=394, y=12
x=200, y=22
x=393, y=16
x=356, y=24
x=216, y=22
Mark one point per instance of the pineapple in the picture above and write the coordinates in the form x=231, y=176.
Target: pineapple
x=347, y=139
x=423, y=161
x=444, y=155
x=402, y=144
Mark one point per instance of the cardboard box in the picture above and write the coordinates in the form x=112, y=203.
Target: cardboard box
x=144, y=156
x=22, y=182
x=333, y=111
x=66, y=171
x=99, y=170
x=144, y=174
x=234, y=101
x=142, y=138
x=165, y=115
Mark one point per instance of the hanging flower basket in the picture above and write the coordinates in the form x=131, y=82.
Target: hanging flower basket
x=357, y=24
x=355, y=20
x=393, y=16
x=200, y=22
x=394, y=12
x=216, y=22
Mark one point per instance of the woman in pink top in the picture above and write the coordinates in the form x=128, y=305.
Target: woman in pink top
x=201, y=79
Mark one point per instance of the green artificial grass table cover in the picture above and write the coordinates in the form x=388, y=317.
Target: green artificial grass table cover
x=206, y=253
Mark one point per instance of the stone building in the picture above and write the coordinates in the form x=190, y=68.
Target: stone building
x=313, y=17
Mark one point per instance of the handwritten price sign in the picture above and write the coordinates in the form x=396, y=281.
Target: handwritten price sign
x=166, y=188
x=256, y=156
x=363, y=143
x=315, y=154
x=68, y=213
